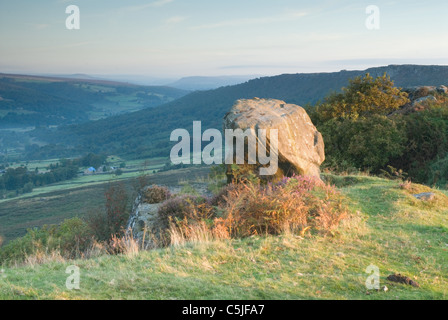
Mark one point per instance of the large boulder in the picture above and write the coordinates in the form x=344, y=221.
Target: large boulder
x=300, y=145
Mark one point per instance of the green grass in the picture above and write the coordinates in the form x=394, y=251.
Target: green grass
x=118, y=104
x=40, y=164
x=387, y=228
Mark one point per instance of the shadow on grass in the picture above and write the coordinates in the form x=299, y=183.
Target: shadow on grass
x=374, y=200
x=439, y=232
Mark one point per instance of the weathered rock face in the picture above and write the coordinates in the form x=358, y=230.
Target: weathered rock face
x=143, y=224
x=420, y=98
x=427, y=196
x=143, y=219
x=300, y=145
x=442, y=89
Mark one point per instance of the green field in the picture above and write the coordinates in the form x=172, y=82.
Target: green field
x=387, y=227
x=117, y=103
x=133, y=169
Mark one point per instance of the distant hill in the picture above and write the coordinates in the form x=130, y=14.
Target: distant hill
x=38, y=100
x=208, y=83
x=147, y=132
x=79, y=76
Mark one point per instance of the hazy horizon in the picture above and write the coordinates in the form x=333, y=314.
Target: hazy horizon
x=174, y=39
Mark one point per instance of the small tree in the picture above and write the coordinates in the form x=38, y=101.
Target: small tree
x=116, y=208
x=112, y=220
x=364, y=96
x=28, y=188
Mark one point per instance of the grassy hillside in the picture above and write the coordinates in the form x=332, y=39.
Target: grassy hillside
x=38, y=101
x=388, y=227
x=146, y=133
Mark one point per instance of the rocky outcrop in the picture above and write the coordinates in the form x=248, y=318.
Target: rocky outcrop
x=143, y=219
x=300, y=145
x=143, y=224
x=442, y=90
x=421, y=97
x=427, y=196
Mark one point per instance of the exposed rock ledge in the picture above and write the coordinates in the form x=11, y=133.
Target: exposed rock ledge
x=143, y=215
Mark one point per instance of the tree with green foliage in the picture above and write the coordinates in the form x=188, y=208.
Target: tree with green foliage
x=427, y=142
x=365, y=143
x=112, y=221
x=364, y=96
x=28, y=187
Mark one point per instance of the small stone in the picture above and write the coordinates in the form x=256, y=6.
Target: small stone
x=425, y=99
x=385, y=289
x=427, y=196
x=340, y=254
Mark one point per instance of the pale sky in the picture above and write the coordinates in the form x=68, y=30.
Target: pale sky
x=174, y=38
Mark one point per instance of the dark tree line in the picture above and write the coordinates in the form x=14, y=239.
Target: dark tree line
x=23, y=180
x=21, y=177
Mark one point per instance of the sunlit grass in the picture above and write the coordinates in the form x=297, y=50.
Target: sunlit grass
x=386, y=227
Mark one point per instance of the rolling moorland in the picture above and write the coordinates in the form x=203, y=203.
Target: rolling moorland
x=44, y=101
x=382, y=223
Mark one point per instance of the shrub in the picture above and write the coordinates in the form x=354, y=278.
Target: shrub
x=295, y=204
x=217, y=178
x=427, y=140
x=292, y=205
x=155, y=194
x=75, y=236
x=421, y=92
x=363, y=143
x=242, y=172
x=364, y=96
x=392, y=173
x=189, y=207
x=221, y=196
x=126, y=245
x=438, y=173
x=111, y=221
x=28, y=188
x=189, y=190
x=67, y=240
x=116, y=208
